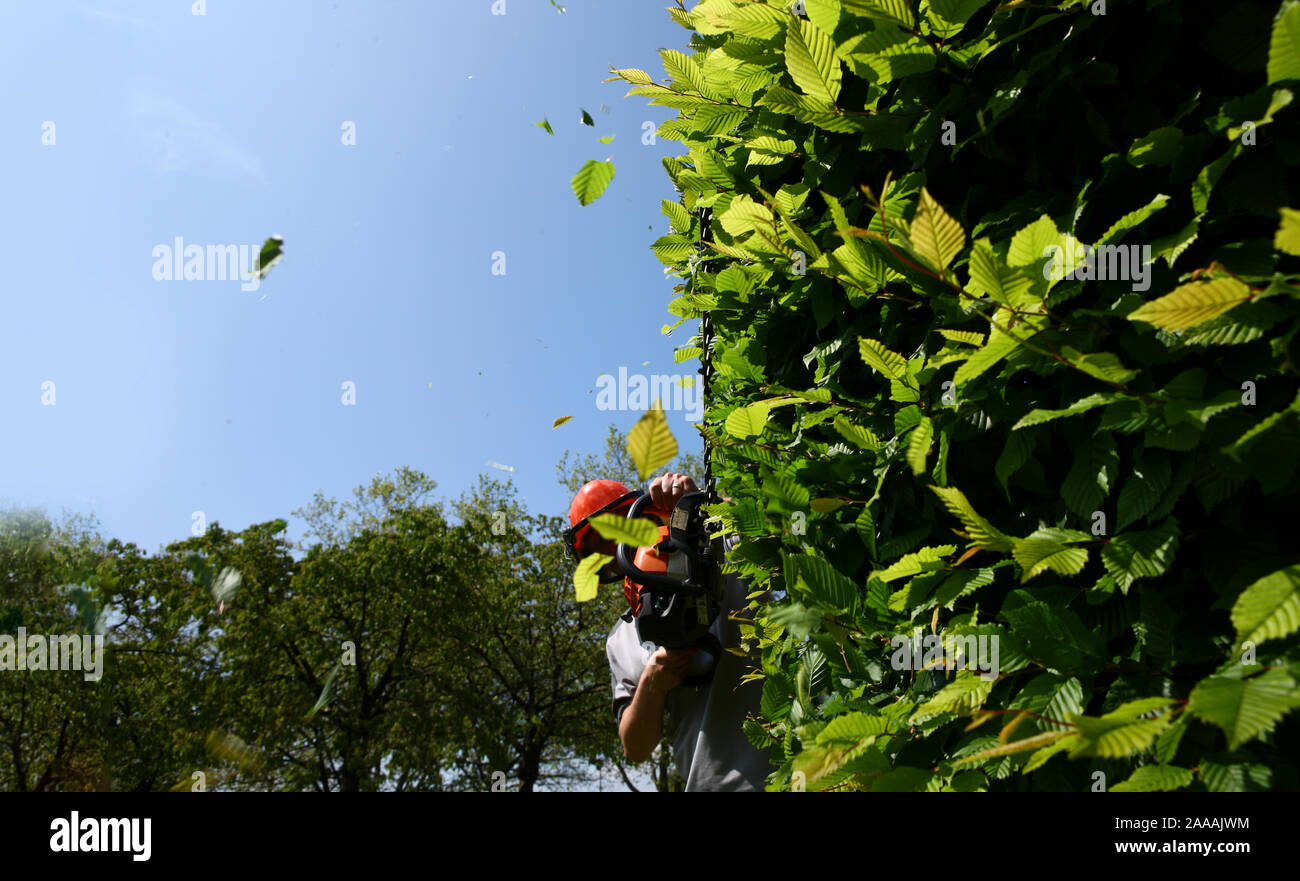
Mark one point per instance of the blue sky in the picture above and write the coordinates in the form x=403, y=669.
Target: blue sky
x=180, y=396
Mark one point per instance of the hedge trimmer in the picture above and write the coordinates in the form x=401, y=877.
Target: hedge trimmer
x=674, y=587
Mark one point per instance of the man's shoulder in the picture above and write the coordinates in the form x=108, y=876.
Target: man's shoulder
x=620, y=629
x=623, y=644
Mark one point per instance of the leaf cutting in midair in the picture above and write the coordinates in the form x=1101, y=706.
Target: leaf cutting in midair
x=586, y=577
x=591, y=180
x=326, y=692
x=225, y=586
x=650, y=443
x=272, y=253
x=637, y=532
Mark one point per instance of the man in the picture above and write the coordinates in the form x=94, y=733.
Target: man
x=709, y=746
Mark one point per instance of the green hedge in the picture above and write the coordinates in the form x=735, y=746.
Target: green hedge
x=927, y=428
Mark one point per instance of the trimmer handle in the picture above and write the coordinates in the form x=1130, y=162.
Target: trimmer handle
x=703, y=661
x=625, y=554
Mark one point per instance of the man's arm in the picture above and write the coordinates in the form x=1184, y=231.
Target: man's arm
x=642, y=723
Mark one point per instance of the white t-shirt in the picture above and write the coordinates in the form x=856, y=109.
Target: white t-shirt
x=709, y=746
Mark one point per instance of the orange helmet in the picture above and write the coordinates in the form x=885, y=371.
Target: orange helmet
x=595, y=497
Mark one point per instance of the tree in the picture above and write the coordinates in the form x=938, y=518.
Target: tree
x=473, y=664
x=529, y=678
x=48, y=717
x=332, y=522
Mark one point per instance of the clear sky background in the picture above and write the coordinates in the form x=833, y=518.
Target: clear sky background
x=182, y=396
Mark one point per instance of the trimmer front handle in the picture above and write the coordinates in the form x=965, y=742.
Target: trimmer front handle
x=675, y=543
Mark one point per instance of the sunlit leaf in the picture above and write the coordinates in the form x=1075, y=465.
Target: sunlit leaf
x=650, y=443
x=591, y=180
x=638, y=532
x=1193, y=303
x=586, y=577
